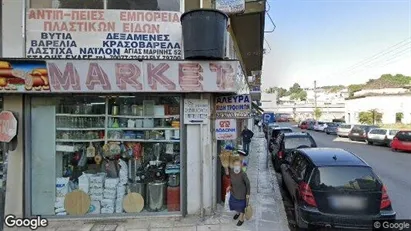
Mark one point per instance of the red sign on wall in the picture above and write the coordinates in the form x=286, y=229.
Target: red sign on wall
x=8, y=126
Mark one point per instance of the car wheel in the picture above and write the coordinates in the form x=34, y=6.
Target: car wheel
x=394, y=150
x=338, y=135
x=299, y=222
x=327, y=133
x=276, y=164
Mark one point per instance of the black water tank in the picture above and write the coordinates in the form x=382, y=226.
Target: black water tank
x=204, y=34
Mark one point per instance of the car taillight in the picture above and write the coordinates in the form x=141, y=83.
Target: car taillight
x=385, y=199
x=280, y=154
x=306, y=194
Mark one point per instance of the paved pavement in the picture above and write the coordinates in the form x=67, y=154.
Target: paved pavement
x=394, y=168
x=269, y=214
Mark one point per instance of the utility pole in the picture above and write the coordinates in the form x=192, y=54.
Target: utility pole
x=315, y=94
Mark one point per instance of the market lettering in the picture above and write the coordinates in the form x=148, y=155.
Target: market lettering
x=78, y=26
x=133, y=51
x=55, y=36
x=128, y=74
x=50, y=14
x=149, y=16
x=69, y=78
x=232, y=107
x=97, y=76
x=138, y=37
x=130, y=27
x=100, y=51
x=190, y=77
x=225, y=75
x=155, y=74
x=135, y=44
x=53, y=43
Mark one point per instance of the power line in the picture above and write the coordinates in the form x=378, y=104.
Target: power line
x=376, y=56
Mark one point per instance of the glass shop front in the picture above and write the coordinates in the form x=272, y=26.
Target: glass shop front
x=104, y=154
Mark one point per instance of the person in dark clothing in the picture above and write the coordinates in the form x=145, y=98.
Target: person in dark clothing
x=246, y=134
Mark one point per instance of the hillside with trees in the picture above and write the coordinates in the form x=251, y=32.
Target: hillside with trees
x=384, y=81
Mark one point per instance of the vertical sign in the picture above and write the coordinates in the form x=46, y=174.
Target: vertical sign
x=226, y=129
x=196, y=111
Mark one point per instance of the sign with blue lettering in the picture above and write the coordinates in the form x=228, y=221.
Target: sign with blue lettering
x=226, y=129
x=103, y=34
x=234, y=106
x=269, y=117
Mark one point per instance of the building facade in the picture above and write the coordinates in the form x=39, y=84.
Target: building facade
x=81, y=117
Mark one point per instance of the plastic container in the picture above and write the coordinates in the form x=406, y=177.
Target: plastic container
x=173, y=198
x=204, y=34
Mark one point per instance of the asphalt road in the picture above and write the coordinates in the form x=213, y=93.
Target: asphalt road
x=394, y=168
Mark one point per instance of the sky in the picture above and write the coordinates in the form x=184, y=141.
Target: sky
x=336, y=41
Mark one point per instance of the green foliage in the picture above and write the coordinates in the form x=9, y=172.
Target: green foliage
x=301, y=95
x=333, y=88
x=354, y=88
x=398, y=117
x=317, y=113
x=370, y=117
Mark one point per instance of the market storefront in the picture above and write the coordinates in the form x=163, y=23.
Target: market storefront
x=116, y=138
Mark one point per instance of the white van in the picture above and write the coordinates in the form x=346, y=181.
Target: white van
x=344, y=129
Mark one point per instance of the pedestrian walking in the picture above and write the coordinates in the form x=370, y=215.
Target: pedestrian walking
x=260, y=124
x=246, y=134
x=239, y=190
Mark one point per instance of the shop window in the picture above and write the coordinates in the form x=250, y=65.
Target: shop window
x=163, y=5
x=105, y=154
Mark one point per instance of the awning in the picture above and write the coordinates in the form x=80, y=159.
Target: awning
x=257, y=108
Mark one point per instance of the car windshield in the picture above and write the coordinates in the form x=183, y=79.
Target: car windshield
x=345, y=126
x=321, y=123
x=378, y=131
x=295, y=142
x=344, y=178
x=404, y=136
x=393, y=132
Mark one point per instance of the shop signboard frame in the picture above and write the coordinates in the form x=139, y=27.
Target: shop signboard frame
x=196, y=111
x=103, y=34
x=226, y=129
x=234, y=106
x=117, y=76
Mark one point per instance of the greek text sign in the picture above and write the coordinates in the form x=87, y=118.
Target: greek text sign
x=196, y=111
x=236, y=106
x=226, y=129
x=230, y=6
x=105, y=34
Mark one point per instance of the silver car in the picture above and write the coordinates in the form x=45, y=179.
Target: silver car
x=382, y=136
x=344, y=129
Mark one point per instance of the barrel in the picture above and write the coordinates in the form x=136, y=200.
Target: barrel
x=173, y=198
x=204, y=34
x=225, y=184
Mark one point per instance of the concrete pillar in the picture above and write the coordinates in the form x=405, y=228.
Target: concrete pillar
x=15, y=169
x=13, y=42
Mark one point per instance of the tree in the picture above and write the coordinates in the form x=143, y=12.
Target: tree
x=354, y=88
x=370, y=117
x=296, y=88
x=302, y=95
x=317, y=113
x=398, y=117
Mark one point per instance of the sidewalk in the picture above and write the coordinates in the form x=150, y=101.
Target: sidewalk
x=269, y=214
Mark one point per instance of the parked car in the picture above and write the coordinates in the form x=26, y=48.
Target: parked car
x=275, y=132
x=303, y=125
x=289, y=142
x=381, y=136
x=344, y=129
x=320, y=126
x=331, y=128
x=359, y=132
x=402, y=141
x=311, y=124
x=334, y=188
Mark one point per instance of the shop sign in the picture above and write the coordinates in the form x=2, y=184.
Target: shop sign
x=8, y=126
x=226, y=129
x=70, y=76
x=230, y=6
x=235, y=106
x=103, y=34
x=196, y=111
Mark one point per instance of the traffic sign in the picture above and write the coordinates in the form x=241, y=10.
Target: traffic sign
x=8, y=126
x=269, y=117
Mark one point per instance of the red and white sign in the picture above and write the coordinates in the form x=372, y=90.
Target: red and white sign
x=226, y=129
x=8, y=126
x=141, y=76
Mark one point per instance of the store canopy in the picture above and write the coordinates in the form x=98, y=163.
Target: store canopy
x=257, y=108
